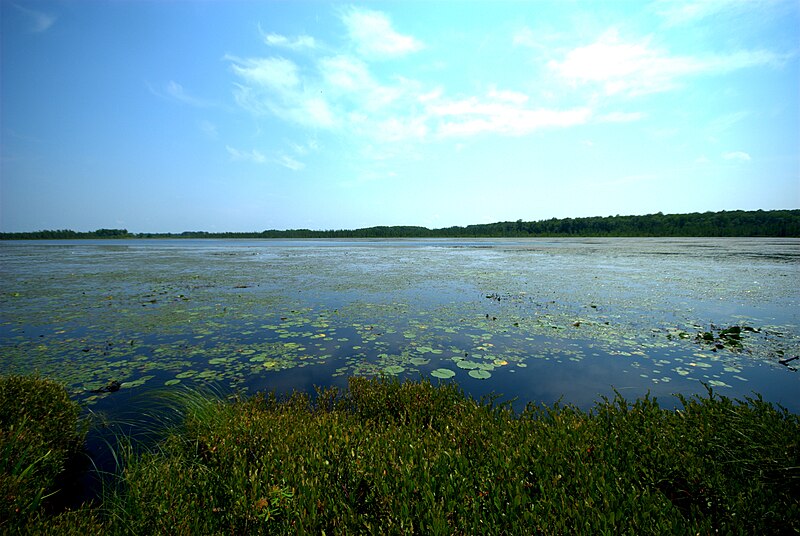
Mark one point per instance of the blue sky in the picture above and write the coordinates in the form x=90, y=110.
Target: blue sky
x=173, y=116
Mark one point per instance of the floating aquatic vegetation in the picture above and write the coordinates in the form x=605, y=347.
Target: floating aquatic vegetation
x=88, y=316
x=443, y=373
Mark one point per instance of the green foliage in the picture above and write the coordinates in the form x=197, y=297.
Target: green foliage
x=39, y=433
x=391, y=457
x=394, y=457
x=774, y=223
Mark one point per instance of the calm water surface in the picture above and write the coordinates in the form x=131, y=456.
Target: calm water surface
x=537, y=320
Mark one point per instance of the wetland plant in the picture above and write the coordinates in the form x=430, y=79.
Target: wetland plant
x=411, y=457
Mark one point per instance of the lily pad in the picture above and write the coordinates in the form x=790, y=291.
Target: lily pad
x=443, y=373
x=172, y=382
x=394, y=369
x=419, y=361
x=480, y=374
x=464, y=364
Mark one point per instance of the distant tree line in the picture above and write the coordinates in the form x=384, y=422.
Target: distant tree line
x=770, y=223
x=66, y=233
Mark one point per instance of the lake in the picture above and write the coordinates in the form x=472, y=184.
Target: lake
x=535, y=320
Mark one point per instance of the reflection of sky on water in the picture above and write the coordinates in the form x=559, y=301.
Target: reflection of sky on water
x=90, y=311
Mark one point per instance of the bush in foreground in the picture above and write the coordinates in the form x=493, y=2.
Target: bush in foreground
x=394, y=457
x=390, y=457
x=40, y=434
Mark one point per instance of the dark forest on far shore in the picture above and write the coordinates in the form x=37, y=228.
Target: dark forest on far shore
x=737, y=223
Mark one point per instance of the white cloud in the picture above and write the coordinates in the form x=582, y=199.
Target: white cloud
x=345, y=73
x=513, y=97
x=272, y=85
x=374, y=36
x=40, y=21
x=340, y=92
x=176, y=91
x=725, y=122
x=430, y=95
x=246, y=156
x=401, y=128
x=273, y=72
x=739, y=156
x=208, y=128
x=349, y=78
x=290, y=163
x=621, y=117
x=299, y=149
x=637, y=68
x=525, y=37
x=298, y=43
x=470, y=117
x=678, y=12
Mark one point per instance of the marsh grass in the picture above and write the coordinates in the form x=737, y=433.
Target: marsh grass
x=389, y=457
x=41, y=437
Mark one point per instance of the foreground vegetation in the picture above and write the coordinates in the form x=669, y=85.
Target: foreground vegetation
x=390, y=457
x=775, y=223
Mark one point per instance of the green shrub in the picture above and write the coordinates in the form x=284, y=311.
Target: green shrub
x=394, y=457
x=414, y=458
x=39, y=433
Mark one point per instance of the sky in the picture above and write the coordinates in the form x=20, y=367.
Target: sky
x=159, y=116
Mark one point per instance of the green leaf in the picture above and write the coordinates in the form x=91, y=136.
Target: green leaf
x=443, y=373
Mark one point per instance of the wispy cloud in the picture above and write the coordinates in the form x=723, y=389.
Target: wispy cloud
x=621, y=117
x=303, y=149
x=373, y=34
x=637, y=67
x=208, y=128
x=274, y=72
x=348, y=78
x=724, y=123
x=40, y=21
x=678, y=12
x=738, y=156
x=339, y=92
x=475, y=116
x=246, y=156
x=272, y=86
x=525, y=37
x=176, y=91
x=513, y=97
x=281, y=41
x=290, y=163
